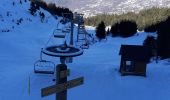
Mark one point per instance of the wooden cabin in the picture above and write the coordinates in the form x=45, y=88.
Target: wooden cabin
x=134, y=59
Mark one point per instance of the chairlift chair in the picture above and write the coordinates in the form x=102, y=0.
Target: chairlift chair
x=85, y=45
x=58, y=33
x=66, y=30
x=44, y=66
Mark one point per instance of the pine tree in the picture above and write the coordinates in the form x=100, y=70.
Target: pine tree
x=127, y=28
x=100, y=30
x=115, y=29
x=164, y=39
x=151, y=43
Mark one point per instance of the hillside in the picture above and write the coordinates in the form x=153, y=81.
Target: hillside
x=15, y=16
x=99, y=65
x=93, y=7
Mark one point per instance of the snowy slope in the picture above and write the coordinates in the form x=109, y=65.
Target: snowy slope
x=20, y=48
x=99, y=65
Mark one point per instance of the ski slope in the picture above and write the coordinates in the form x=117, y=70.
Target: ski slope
x=99, y=64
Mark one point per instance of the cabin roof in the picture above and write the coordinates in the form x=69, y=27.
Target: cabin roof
x=134, y=53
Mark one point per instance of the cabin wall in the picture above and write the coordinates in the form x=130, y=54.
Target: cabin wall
x=122, y=65
x=140, y=67
x=120, y=68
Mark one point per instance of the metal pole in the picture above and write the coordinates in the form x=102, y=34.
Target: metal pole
x=72, y=29
x=71, y=37
x=62, y=60
x=78, y=30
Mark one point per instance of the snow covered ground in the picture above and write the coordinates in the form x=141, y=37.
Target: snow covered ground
x=99, y=65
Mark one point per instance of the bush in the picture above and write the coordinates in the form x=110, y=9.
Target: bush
x=164, y=39
x=100, y=30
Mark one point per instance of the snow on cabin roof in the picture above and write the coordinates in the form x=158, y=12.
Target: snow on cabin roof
x=134, y=52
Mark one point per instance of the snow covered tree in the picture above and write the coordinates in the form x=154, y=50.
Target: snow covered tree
x=100, y=30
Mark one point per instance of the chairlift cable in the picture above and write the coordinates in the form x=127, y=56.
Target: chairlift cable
x=51, y=36
x=41, y=54
x=48, y=40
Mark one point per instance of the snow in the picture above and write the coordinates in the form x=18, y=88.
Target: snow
x=99, y=64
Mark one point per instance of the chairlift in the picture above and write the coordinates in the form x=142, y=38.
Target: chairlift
x=61, y=33
x=44, y=66
x=58, y=33
x=84, y=46
x=63, y=21
x=66, y=30
x=66, y=18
